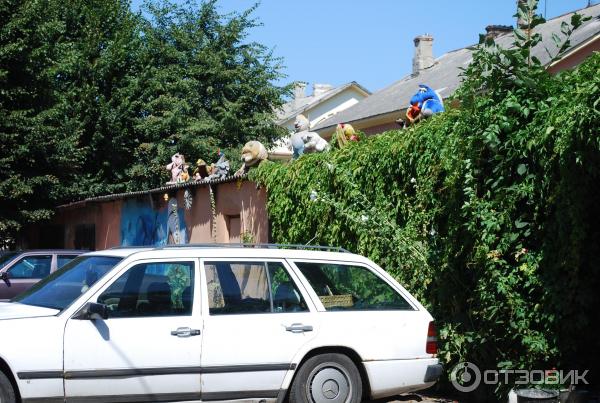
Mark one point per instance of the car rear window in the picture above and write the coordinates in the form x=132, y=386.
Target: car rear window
x=343, y=287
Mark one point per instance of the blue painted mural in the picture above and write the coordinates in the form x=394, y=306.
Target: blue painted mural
x=143, y=225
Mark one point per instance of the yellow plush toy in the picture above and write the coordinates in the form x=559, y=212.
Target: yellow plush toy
x=253, y=153
x=202, y=170
x=344, y=133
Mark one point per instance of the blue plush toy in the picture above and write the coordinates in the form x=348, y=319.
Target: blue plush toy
x=424, y=103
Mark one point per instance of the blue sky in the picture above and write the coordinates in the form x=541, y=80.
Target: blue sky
x=371, y=41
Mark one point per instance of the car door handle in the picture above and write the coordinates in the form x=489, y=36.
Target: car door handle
x=299, y=328
x=185, y=332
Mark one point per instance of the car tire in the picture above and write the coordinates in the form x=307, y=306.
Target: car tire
x=7, y=392
x=327, y=378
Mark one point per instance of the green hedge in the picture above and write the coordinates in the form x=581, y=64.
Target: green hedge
x=489, y=214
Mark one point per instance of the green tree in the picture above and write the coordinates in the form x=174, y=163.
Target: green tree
x=63, y=66
x=205, y=87
x=95, y=99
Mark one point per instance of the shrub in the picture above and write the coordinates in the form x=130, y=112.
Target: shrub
x=487, y=213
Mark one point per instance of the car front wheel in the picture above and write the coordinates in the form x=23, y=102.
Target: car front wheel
x=327, y=378
x=7, y=393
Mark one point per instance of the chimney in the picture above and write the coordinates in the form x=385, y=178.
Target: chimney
x=521, y=20
x=319, y=89
x=494, y=31
x=423, y=58
x=299, y=90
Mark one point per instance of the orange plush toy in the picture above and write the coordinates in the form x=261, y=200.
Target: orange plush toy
x=412, y=114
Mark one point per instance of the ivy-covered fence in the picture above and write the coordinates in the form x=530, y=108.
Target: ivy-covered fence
x=488, y=213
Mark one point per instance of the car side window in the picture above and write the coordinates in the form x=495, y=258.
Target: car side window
x=152, y=289
x=345, y=287
x=62, y=260
x=32, y=267
x=250, y=288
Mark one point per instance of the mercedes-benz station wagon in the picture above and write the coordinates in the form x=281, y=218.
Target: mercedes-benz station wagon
x=215, y=323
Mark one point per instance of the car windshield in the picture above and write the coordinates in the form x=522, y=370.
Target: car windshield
x=62, y=287
x=6, y=257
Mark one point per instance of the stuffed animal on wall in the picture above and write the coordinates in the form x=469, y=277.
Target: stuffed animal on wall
x=253, y=153
x=202, y=170
x=220, y=170
x=425, y=103
x=178, y=168
x=344, y=133
x=304, y=140
x=300, y=126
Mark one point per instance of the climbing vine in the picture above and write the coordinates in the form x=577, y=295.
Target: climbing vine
x=487, y=213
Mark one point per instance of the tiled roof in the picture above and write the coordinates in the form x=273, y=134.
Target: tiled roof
x=444, y=75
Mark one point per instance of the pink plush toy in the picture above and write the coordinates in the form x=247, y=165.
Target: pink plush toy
x=177, y=168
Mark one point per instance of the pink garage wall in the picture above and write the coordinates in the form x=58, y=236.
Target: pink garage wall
x=198, y=218
x=240, y=207
x=107, y=224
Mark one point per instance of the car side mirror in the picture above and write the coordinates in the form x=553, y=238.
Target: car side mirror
x=6, y=277
x=92, y=311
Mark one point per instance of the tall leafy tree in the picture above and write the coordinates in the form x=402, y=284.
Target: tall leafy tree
x=95, y=98
x=205, y=86
x=33, y=161
x=63, y=69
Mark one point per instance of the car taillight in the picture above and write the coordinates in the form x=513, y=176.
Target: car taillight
x=431, y=346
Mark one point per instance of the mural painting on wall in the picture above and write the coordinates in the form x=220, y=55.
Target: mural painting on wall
x=143, y=225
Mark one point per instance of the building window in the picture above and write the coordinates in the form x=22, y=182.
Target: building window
x=234, y=228
x=85, y=236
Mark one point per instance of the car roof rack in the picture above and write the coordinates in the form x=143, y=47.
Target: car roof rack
x=242, y=245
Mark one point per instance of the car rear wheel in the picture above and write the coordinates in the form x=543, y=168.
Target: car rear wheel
x=7, y=393
x=327, y=378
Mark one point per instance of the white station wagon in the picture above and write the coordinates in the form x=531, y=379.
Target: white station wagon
x=214, y=323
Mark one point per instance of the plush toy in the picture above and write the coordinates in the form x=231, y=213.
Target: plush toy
x=202, y=170
x=413, y=112
x=178, y=168
x=253, y=153
x=220, y=170
x=306, y=141
x=301, y=126
x=425, y=103
x=185, y=176
x=344, y=132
